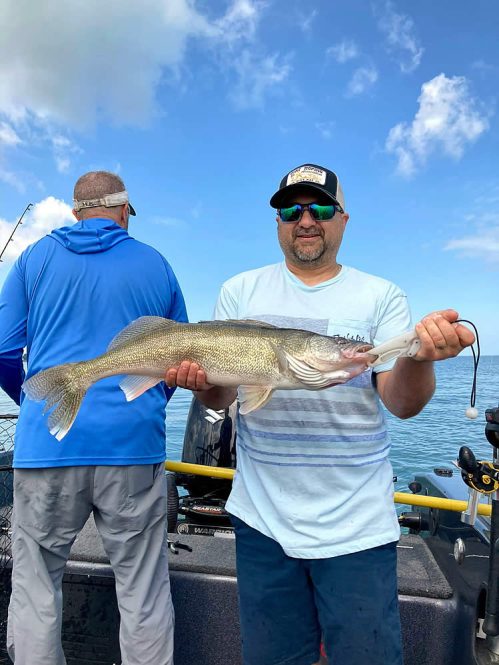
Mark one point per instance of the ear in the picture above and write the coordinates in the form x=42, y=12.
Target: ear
x=346, y=217
x=75, y=214
x=124, y=217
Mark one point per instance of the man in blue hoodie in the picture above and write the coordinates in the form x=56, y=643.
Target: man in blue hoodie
x=65, y=298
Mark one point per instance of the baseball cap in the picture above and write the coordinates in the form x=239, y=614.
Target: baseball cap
x=108, y=201
x=309, y=176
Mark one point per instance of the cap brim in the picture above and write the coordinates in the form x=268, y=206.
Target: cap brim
x=282, y=194
x=132, y=209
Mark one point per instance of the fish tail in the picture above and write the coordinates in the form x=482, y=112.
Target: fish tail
x=64, y=387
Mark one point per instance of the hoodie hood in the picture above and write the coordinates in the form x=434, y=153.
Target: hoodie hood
x=90, y=236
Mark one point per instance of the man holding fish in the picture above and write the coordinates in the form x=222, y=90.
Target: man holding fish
x=66, y=296
x=312, y=499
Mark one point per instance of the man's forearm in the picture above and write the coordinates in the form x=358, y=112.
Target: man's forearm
x=217, y=397
x=407, y=388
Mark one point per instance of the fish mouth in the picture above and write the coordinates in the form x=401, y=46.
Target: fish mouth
x=360, y=351
x=364, y=348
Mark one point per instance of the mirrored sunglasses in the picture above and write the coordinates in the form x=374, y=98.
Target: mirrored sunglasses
x=320, y=213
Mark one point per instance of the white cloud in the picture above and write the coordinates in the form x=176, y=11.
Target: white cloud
x=32, y=132
x=8, y=135
x=46, y=215
x=325, y=129
x=9, y=138
x=106, y=60
x=257, y=77
x=257, y=74
x=344, y=51
x=64, y=149
x=12, y=179
x=102, y=59
x=241, y=20
x=484, y=245
x=362, y=79
x=401, y=37
x=481, y=238
x=66, y=65
x=447, y=121
x=305, y=20
x=483, y=67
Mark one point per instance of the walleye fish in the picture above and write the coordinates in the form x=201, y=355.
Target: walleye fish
x=256, y=356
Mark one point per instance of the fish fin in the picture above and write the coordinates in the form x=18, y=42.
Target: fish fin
x=281, y=356
x=252, y=398
x=405, y=345
x=256, y=322
x=134, y=385
x=142, y=325
x=311, y=377
x=61, y=387
x=240, y=322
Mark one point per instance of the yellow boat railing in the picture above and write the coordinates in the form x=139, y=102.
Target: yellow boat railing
x=399, y=497
x=200, y=470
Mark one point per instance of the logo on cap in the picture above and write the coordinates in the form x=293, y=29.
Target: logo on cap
x=307, y=174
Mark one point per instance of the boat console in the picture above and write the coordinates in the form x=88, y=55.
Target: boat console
x=466, y=545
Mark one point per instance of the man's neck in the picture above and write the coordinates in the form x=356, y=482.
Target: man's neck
x=313, y=275
x=120, y=222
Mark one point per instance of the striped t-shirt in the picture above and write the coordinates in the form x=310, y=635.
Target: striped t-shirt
x=312, y=466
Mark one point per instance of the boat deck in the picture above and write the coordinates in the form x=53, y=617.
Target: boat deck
x=436, y=624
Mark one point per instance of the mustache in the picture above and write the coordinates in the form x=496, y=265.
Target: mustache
x=304, y=233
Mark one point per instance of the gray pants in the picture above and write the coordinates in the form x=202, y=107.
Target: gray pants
x=50, y=508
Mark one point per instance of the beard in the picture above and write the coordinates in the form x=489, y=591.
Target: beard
x=308, y=254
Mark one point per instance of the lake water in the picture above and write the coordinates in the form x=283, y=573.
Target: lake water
x=431, y=439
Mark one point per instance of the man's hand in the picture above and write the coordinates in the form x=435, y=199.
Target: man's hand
x=188, y=375
x=441, y=337
x=408, y=387
x=193, y=377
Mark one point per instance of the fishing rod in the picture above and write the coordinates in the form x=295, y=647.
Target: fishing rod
x=19, y=222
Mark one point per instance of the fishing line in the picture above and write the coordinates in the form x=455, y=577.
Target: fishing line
x=471, y=411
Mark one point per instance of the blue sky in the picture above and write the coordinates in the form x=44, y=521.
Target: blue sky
x=203, y=106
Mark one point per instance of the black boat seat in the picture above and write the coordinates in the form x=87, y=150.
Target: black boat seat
x=205, y=597
x=418, y=572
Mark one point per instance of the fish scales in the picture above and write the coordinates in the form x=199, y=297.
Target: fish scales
x=254, y=356
x=231, y=352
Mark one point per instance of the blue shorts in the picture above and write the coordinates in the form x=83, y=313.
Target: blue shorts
x=288, y=604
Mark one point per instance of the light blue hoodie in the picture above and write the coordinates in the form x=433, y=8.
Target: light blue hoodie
x=65, y=298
